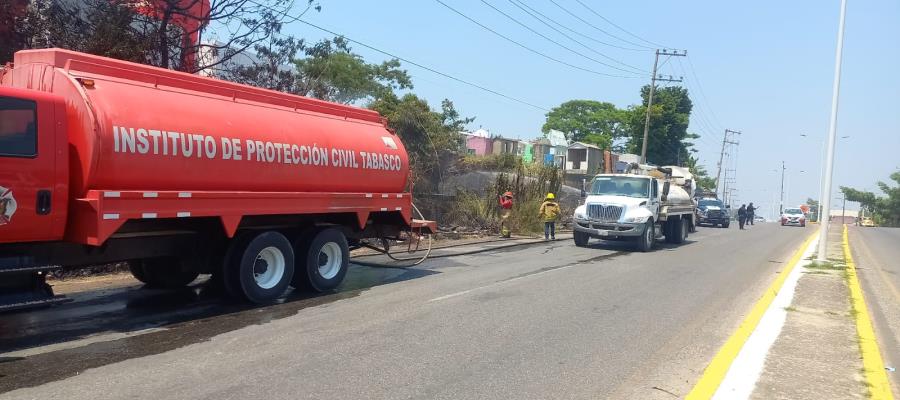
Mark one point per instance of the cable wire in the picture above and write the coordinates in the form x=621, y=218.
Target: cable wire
x=551, y=58
x=596, y=27
x=511, y=18
x=446, y=75
x=617, y=26
x=566, y=27
x=702, y=93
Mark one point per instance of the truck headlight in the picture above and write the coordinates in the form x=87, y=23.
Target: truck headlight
x=636, y=220
x=580, y=213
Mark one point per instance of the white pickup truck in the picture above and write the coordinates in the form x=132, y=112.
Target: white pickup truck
x=641, y=207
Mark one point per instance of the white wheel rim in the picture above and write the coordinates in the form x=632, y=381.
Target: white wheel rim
x=330, y=260
x=268, y=269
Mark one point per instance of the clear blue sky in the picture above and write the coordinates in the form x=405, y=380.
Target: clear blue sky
x=765, y=67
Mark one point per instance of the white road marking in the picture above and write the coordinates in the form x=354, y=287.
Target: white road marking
x=747, y=367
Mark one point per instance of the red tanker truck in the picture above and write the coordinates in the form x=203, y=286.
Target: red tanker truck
x=104, y=160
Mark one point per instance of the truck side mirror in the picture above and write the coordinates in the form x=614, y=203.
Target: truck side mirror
x=665, y=191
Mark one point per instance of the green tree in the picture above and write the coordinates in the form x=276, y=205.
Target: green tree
x=326, y=70
x=588, y=121
x=885, y=209
x=669, y=140
x=432, y=141
x=331, y=71
x=701, y=176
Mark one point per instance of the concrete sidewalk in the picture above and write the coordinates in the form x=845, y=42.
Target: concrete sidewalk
x=817, y=354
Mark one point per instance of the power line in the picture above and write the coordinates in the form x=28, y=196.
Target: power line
x=703, y=122
x=597, y=27
x=567, y=36
x=617, y=26
x=551, y=58
x=446, y=75
x=702, y=92
x=566, y=27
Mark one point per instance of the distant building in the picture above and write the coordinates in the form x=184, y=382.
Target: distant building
x=478, y=143
x=583, y=158
x=184, y=18
x=545, y=152
x=503, y=145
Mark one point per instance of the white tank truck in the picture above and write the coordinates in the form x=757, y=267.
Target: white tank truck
x=643, y=204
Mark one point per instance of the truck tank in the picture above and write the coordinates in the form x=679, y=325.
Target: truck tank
x=136, y=127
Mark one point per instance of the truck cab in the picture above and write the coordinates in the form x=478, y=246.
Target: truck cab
x=33, y=165
x=634, y=207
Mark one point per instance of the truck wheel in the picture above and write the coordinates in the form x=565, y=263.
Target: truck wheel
x=581, y=238
x=259, y=268
x=670, y=230
x=726, y=225
x=163, y=272
x=681, y=231
x=137, y=271
x=325, y=263
x=648, y=238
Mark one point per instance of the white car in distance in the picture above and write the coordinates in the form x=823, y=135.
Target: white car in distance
x=794, y=217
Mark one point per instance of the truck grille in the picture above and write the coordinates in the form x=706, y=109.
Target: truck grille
x=604, y=213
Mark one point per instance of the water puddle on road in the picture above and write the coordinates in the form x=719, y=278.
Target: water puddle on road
x=46, y=345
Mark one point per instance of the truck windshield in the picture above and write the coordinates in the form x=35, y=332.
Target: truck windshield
x=621, y=186
x=714, y=203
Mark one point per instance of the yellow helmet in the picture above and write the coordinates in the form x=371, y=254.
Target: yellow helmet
x=551, y=196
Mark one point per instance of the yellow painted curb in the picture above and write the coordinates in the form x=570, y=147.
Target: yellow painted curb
x=873, y=366
x=715, y=372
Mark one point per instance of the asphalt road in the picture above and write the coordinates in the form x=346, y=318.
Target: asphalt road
x=876, y=252
x=546, y=321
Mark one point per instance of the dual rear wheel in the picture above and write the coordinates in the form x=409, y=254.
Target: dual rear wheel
x=259, y=266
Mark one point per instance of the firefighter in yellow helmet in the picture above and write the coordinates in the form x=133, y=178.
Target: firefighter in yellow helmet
x=550, y=214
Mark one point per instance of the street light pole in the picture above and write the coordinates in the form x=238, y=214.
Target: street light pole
x=832, y=133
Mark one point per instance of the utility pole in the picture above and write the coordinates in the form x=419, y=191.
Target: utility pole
x=781, y=207
x=832, y=133
x=724, y=188
x=722, y=156
x=653, y=79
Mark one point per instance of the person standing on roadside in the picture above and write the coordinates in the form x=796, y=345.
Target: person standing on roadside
x=506, y=203
x=742, y=216
x=549, y=213
x=751, y=213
